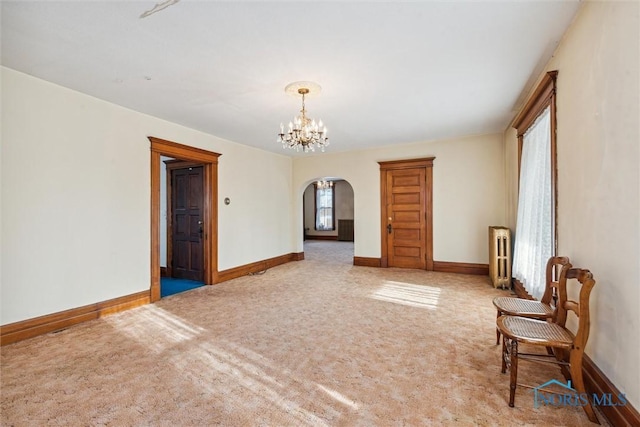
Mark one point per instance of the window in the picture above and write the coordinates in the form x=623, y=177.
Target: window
x=536, y=231
x=325, y=206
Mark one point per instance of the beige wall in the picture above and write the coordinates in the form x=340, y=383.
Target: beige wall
x=468, y=192
x=75, y=190
x=344, y=207
x=598, y=181
x=511, y=177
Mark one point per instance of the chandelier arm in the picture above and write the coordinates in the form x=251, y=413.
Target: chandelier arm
x=303, y=132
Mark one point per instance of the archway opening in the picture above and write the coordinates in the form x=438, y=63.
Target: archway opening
x=328, y=220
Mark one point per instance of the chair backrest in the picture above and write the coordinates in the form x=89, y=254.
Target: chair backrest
x=555, y=265
x=584, y=279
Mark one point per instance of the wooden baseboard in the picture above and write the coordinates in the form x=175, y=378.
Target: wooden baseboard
x=164, y=272
x=366, y=262
x=445, y=267
x=320, y=237
x=461, y=268
x=596, y=382
x=257, y=266
x=18, y=331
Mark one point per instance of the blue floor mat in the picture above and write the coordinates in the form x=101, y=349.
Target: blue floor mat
x=170, y=286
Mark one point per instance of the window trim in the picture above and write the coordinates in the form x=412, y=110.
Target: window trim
x=544, y=96
x=333, y=208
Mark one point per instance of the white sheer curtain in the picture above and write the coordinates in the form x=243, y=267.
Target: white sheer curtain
x=534, y=227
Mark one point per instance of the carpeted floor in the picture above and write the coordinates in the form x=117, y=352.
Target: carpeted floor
x=312, y=343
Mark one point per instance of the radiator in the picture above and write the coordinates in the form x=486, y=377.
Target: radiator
x=500, y=256
x=345, y=230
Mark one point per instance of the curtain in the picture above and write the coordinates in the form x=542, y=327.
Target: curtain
x=534, y=226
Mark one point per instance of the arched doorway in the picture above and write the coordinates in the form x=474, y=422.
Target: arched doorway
x=328, y=219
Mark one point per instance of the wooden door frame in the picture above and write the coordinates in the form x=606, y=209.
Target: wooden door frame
x=427, y=164
x=172, y=165
x=209, y=161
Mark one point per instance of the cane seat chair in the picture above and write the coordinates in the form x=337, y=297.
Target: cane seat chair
x=541, y=310
x=567, y=347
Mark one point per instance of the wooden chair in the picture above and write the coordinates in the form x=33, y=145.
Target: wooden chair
x=532, y=309
x=568, y=348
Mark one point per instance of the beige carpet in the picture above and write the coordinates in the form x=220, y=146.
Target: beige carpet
x=311, y=343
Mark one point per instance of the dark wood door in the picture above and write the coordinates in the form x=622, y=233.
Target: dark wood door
x=406, y=218
x=187, y=223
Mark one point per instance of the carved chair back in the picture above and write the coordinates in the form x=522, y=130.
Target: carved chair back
x=554, y=268
x=584, y=280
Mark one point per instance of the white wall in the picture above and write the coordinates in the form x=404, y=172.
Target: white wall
x=76, y=198
x=598, y=104
x=468, y=192
x=256, y=225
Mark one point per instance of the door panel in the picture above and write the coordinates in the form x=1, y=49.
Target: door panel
x=411, y=198
x=405, y=191
x=187, y=242
x=405, y=234
x=406, y=218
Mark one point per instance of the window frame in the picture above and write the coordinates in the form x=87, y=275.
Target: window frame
x=333, y=208
x=544, y=96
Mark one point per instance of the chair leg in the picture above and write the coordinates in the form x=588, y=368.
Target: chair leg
x=504, y=356
x=514, y=372
x=498, y=330
x=575, y=360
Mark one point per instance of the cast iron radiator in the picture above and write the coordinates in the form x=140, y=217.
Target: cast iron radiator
x=500, y=256
x=345, y=230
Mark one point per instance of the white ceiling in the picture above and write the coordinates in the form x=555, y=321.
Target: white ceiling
x=391, y=72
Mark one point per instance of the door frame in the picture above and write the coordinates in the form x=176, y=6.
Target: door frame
x=209, y=162
x=172, y=165
x=427, y=164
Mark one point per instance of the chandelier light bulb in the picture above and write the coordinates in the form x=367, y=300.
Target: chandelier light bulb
x=323, y=184
x=304, y=133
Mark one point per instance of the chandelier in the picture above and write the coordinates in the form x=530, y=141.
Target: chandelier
x=324, y=184
x=303, y=133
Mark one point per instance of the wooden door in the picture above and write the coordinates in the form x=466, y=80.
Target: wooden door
x=209, y=162
x=407, y=240
x=187, y=223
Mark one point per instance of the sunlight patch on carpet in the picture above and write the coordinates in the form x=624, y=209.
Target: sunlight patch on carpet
x=339, y=397
x=241, y=383
x=154, y=327
x=421, y=296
